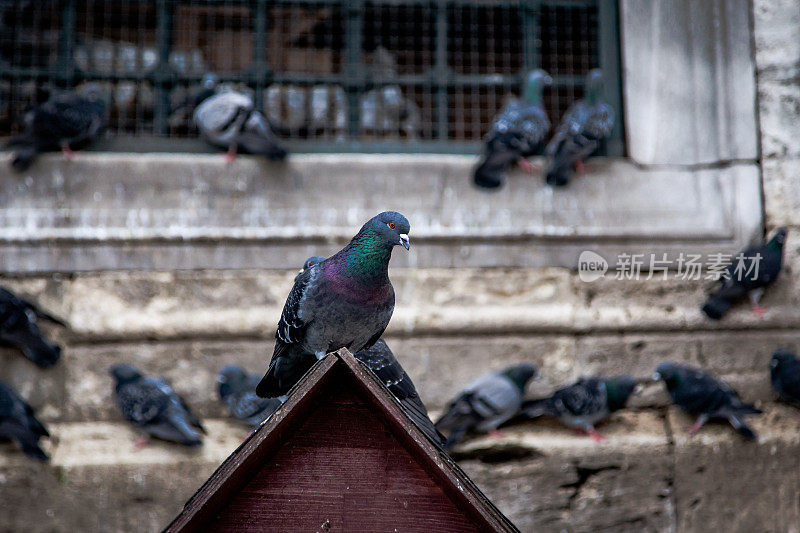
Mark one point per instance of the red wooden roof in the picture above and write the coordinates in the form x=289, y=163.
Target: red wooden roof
x=339, y=455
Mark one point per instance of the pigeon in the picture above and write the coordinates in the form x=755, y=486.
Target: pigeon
x=65, y=122
x=152, y=405
x=517, y=132
x=19, y=328
x=784, y=369
x=18, y=423
x=486, y=403
x=345, y=301
x=229, y=120
x=749, y=274
x=584, y=125
x=237, y=390
x=584, y=403
x=382, y=362
x=700, y=395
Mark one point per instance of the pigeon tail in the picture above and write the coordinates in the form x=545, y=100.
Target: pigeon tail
x=743, y=429
x=284, y=371
x=456, y=434
x=253, y=143
x=485, y=178
x=558, y=175
x=716, y=307
x=537, y=408
x=23, y=156
x=30, y=447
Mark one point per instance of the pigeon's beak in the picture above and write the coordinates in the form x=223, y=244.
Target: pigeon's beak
x=548, y=80
x=656, y=376
x=404, y=241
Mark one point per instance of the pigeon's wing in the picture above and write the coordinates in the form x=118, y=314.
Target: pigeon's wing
x=600, y=121
x=699, y=393
x=221, y=117
x=790, y=382
x=289, y=361
x=193, y=419
x=251, y=409
x=581, y=398
x=487, y=402
x=571, y=116
x=382, y=362
x=257, y=138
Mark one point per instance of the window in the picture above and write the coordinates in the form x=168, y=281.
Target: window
x=331, y=75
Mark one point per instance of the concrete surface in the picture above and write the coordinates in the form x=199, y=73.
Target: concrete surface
x=179, y=211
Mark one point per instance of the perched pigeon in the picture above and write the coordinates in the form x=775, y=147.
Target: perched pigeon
x=345, y=301
x=757, y=268
x=237, y=390
x=517, y=132
x=229, y=120
x=18, y=423
x=486, y=403
x=19, y=328
x=584, y=403
x=380, y=359
x=584, y=125
x=702, y=396
x=152, y=405
x=65, y=122
x=784, y=369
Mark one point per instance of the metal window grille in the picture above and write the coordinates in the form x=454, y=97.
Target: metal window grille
x=331, y=75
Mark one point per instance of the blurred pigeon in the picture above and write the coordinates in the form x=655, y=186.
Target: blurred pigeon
x=18, y=423
x=584, y=403
x=229, y=120
x=152, y=405
x=486, y=402
x=748, y=274
x=345, y=301
x=19, y=328
x=237, y=390
x=65, y=122
x=584, y=125
x=380, y=359
x=702, y=396
x=784, y=369
x=518, y=132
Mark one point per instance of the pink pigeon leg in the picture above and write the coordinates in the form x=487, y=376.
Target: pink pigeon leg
x=141, y=442
x=496, y=434
x=526, y=165
x=69, y=155
x=598, y=437
x=579, y=167
x=230, y=156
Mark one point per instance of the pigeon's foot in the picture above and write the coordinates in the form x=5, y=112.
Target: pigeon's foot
x=759, y=311
x=579, y=167
x=230, y=155
x=69, y=155
x=694, y=428
x=598, y=437
x=527, y=166
x=496, y=434
x=141, y=442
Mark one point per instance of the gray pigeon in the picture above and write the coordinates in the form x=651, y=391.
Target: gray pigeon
x=584, y=125
x=311, y=261
x=18, y=423
x=517, y=132
x=153, y=406
x=380, y=359
x=486, y=402
x=65, y=122
x=700, y=395
x=758, y=267
x=345, y=301
x=229, y=120
x=19, y=328
x=584, y=403
x=785, y=376
x=237, y=390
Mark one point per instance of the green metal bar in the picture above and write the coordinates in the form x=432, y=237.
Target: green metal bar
x=441, y=72
x=260, y=70
x=163, y=74
x=354, y=66
x=608, y=15
x=66, y=65
x=530, y=33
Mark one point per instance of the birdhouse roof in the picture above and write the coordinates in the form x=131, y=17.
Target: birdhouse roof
x=339, y=455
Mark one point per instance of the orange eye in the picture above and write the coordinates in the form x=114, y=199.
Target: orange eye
x=391, y=225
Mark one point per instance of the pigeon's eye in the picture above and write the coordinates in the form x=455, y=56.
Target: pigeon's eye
x=392, y=225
